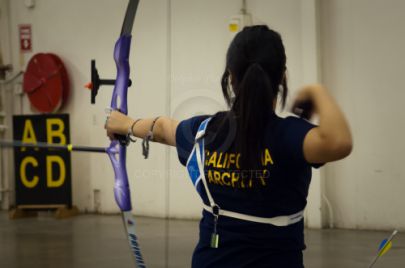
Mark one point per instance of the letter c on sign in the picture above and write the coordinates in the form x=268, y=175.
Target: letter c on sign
x=28, y=183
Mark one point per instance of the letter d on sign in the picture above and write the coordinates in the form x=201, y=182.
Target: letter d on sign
x=50, y=181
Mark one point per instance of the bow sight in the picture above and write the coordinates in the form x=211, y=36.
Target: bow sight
x=96, y=82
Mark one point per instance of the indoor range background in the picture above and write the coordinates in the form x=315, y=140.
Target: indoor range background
x=353, y=47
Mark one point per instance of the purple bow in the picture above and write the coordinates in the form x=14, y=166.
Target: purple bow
x=118, y=148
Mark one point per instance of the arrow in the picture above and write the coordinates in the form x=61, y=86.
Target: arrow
x=385, y=245
x=44, y=145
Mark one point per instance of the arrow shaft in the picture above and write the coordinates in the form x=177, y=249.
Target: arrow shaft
x=44, y=145
x=374, y=261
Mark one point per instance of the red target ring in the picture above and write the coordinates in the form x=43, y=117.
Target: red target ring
x=46, y=82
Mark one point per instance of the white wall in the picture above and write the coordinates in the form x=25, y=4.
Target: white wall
x=363, y=64
x=79, y=31
x=4, y=28
x=178, y=57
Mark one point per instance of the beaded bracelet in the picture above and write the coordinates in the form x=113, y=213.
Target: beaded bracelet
x=130, y=131
x=149, y=137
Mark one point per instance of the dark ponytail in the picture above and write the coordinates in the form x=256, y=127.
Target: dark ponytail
x=254, y=98
x=255, y=71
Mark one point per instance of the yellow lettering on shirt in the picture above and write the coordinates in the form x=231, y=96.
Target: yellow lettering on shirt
x=219, y=161
x=267, y=158
x=210, y=178
x=207, y=155
x=234, y=179
x=237, y=161
x=228, y=172
x=213, y=160
x=228, y=176
x=217, y=177
x=242, y=183
x=231, y=160
x=226, y=155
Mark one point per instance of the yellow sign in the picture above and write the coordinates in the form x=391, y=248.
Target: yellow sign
x=43, y=176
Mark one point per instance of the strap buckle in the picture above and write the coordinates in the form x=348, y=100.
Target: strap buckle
x=215, y=210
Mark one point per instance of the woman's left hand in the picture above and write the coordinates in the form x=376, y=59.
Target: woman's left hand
x=117, y=123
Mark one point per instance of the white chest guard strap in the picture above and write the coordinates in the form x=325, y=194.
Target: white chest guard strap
x=196, y=171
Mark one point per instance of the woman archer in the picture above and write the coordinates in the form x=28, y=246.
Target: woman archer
x=251, y=167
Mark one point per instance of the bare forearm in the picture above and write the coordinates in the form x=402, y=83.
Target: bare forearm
x=164, y=129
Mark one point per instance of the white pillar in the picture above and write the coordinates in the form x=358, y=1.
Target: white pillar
x=6, y=108
x=311, y=74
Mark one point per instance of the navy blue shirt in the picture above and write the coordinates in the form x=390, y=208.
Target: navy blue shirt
x=279, y=188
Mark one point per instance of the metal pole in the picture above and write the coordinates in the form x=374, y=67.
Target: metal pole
x=244, y=7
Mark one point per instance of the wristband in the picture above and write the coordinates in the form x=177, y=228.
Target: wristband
x=149, y=137
x=130, y=131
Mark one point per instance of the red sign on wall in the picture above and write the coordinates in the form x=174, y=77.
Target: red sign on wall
x=25, y=33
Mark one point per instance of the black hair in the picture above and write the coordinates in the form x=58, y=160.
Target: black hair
x=255, y=70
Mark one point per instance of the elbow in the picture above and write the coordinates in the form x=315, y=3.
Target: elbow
x=164, y=131
x=346, y=149
x=320, y=148
x=342, y=148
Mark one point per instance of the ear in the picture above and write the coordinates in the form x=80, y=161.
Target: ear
x=284, y=78
x=231, y=79
x=230, y=76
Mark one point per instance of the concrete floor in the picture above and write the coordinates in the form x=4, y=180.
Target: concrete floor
x=98, y=241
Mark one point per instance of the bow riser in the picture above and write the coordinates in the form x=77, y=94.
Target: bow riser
x=121, y=56
x=117, y=151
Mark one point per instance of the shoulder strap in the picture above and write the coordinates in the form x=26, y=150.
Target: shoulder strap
x=195, y=162
x=202, y=128
x=200, y=157
x=197, y=155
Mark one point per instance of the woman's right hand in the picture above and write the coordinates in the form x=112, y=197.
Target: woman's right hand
x=304, y=105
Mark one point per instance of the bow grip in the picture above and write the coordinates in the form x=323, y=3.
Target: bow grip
x=123, y=139
x=117, y=155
